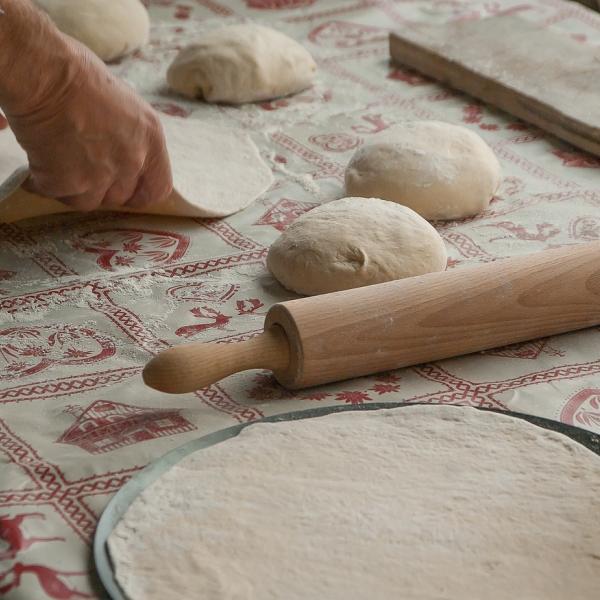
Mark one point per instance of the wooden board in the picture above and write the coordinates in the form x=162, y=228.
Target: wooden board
x=532, y=72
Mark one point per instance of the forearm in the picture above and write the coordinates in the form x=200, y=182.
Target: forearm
x=35, y=58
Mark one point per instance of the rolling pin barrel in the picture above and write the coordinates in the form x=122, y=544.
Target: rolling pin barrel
x=440, y=315
x=356, y=332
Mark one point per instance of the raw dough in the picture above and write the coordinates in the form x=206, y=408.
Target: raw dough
x=440, y=170
x=110, y=28
x=217, y=171
x=422, y=503
x=241, y=63
x=12, y=156
x=353, y=242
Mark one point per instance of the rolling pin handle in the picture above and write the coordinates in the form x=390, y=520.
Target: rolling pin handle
x=190, y=367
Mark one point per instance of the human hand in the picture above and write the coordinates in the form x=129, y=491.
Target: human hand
x=90, y=140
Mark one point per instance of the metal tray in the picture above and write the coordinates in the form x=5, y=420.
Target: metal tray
x=127, y=494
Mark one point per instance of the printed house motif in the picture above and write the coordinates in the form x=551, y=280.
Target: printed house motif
x=105, y=426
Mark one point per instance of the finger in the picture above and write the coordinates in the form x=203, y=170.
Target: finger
x=119, y=193
x=140, y=197
x=154, y=186
x=156, y=180
x=84, y=202
x=50, y=187
x=150, y=192
x=29, y=186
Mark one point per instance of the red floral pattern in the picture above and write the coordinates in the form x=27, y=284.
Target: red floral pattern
x=26, y=351
x=336, y=142
x=284, y=212
x=577, y=159
x=131, y=248
x=278, y=4
x=583, y=409
x=407, y=76
x=343, y=34
x=585, y=229
x=87, y=299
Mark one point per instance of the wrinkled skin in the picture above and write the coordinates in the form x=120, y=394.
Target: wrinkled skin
x=90, y=140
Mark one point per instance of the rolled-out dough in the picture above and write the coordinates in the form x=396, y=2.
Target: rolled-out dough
x=110, y=28
x=353, y=242
x=217, y=171
x=440, y=170
x=241, y=63
x=424, y=502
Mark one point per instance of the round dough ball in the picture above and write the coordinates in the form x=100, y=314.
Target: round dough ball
x=242, y=63
x=110, y=28
x=353, y=242
x=441, y=171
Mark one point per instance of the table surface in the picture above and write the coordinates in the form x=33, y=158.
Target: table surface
x=86, y=300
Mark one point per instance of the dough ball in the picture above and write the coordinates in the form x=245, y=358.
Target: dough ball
x=241, y=63
x=110, y=28
x=353, y=242
x=441, y=171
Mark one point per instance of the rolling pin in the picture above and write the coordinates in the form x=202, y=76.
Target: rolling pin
x=320, y=339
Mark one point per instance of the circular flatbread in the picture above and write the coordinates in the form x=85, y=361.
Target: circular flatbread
x=420, y=502
x=217, y=171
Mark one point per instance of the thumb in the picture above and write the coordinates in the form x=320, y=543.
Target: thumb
x=29, y=185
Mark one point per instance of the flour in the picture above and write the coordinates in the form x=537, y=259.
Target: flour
x=82, y=297
x=305, y=180
x=420, y=502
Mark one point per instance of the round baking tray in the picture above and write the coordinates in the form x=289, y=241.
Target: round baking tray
x=128, y=493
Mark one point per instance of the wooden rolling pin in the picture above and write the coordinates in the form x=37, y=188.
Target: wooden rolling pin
x=356, y=332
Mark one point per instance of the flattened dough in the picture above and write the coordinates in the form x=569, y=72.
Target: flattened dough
x=217, y=171
x=109, y=28
x=419, y=503
x=241, y=63
x=440, y=170
x=353, y=242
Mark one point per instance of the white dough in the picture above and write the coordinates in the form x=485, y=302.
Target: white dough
x=441, y=171
x=241, y=63
x=353, y=242
x=12, y=156
x=217, y=171
x=110, y=28
x=415, y=503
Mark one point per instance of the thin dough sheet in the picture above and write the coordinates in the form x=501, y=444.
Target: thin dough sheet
x=217, y=171
x=418, y=502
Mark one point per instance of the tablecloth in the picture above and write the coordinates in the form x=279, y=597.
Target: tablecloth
x=86, y=300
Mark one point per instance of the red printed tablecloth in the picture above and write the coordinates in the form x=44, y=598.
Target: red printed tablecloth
x=86, y=300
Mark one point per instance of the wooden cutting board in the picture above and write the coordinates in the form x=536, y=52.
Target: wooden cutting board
x=535, y=73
